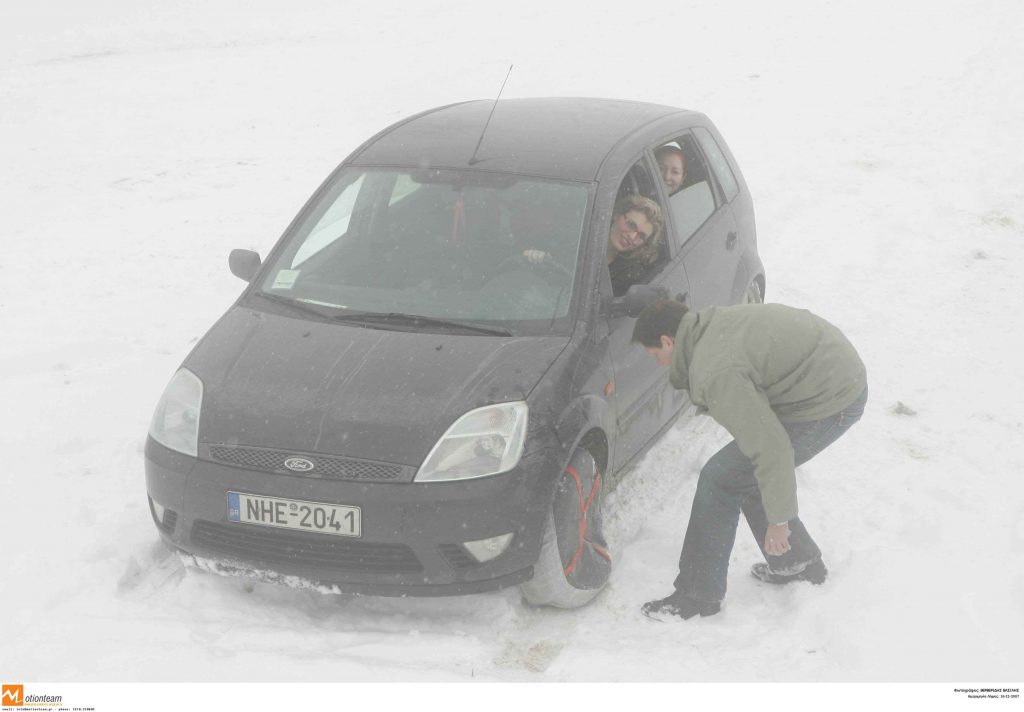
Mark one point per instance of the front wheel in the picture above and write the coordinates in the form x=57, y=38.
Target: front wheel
x=574, y=563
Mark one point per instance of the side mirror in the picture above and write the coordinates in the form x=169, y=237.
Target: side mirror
x=244, y=264
x=636, y=299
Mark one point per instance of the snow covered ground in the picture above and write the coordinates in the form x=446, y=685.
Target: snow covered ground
x=141, y=141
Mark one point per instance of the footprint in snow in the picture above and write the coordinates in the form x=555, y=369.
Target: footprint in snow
x=902, y=408
x=524, y=655
x=151, y=571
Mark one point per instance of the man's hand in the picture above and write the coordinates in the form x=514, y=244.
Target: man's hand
x=776, y=541
x=535, y=256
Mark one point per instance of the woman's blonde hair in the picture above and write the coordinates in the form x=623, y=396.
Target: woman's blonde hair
x=651, y=249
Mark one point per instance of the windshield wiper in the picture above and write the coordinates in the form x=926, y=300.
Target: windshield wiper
x=416, y=320
x=296, y=304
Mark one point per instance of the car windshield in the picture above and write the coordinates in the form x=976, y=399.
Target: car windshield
x=448, y=245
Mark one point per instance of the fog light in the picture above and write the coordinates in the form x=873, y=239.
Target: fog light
x=158, y=511
x=487, y=549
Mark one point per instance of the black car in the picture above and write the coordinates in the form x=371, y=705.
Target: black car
x=430, y=384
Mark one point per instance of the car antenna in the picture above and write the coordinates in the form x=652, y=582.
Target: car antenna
x=474, y=160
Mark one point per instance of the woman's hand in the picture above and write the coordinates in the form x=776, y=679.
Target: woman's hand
x=535, y=256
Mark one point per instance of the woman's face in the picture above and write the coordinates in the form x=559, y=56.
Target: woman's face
x=672, y=170
x=629, y=231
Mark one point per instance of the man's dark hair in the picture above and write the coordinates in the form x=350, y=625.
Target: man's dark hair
x=661, y=318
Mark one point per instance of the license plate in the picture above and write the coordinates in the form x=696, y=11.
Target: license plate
x=335, y=519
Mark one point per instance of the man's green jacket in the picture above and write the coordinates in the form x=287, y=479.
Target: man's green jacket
x=755, y=366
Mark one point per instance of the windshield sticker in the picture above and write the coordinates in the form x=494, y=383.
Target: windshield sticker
x=285, y=279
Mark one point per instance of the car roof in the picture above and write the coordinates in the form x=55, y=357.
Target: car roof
x=565, y=138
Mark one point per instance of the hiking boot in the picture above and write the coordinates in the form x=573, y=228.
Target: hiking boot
x=815, y=572
x=678, y=607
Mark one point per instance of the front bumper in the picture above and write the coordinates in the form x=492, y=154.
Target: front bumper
x=412, y=534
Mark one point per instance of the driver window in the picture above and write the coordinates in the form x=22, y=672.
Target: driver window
x=332, y=225
x=687, y=180
x=636, y=247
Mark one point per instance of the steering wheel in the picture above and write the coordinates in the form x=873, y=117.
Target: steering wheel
x=551, y=267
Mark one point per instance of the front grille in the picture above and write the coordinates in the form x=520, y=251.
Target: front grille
x=458, y=558
x=305, y=549
x=339, y=468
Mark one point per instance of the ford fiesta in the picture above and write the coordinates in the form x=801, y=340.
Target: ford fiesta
x=428, y=386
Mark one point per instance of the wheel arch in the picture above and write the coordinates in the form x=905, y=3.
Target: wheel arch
x=750, y=269
x=585, y=423
x=595, y=441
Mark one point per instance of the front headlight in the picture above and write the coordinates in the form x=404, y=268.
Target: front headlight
x=485, y=441
x=176, y=420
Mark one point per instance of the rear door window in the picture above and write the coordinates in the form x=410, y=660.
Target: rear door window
x=718, y=162
x=687, y=180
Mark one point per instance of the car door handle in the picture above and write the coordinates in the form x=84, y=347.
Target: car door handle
x=730, y=241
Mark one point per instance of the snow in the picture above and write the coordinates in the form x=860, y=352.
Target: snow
x=142, y=141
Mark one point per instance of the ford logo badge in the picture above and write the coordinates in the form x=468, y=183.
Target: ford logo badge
x=299, y=464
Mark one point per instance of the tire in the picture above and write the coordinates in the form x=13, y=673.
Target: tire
x=753, y=294
x=574, y=564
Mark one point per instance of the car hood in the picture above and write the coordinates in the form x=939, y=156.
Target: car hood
x=285, y=383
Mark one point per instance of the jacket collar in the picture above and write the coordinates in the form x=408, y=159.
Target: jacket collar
x=691, y=328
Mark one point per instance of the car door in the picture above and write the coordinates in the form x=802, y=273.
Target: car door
x=644, y=400
x=705, y=227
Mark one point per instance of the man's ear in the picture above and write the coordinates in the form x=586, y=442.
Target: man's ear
x=667, y=342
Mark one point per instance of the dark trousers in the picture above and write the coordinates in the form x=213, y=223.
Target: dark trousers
x=727, y=487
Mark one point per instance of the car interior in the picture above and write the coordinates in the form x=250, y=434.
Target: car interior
x=446, y=243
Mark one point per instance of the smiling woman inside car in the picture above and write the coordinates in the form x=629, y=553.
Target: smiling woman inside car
x=634, y=240
x=672, y=164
